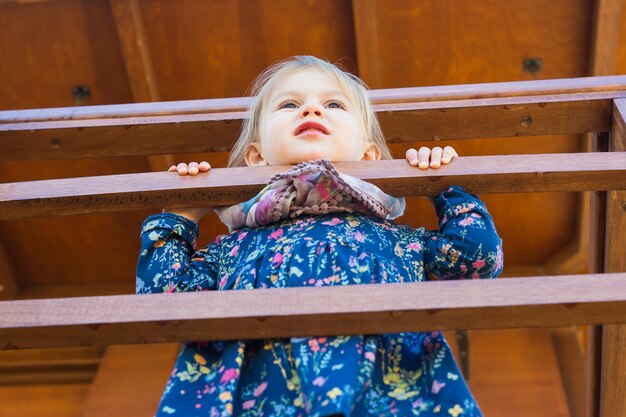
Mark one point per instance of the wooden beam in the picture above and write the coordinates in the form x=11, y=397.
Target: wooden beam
x=613, y=383
x=8, y=284
x=134, y=45
x=570, y=359
x=225, y=186
x=138, y=62
x=366, y=38
x=605, y=40
x=52, y=366
x=130, y=380
x=406, y=115
x=294, y=312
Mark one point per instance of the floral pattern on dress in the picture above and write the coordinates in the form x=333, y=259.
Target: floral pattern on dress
x=394, y=375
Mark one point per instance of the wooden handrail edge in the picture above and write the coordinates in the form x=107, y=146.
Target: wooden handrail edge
x=378, y=97
x=289, y=312
x=224, y=186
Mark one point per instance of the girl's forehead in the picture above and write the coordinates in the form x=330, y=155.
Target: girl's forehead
x=305, y=80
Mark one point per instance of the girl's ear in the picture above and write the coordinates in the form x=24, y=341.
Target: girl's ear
x=253, y=155
x=371, y=153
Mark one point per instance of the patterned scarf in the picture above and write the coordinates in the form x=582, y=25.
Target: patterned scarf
x=310, y=188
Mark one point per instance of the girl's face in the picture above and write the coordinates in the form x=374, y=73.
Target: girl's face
x=307, y=116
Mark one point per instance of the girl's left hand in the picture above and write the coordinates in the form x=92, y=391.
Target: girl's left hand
x=425, y=157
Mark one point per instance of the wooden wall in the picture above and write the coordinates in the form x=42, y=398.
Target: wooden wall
x=148, y=50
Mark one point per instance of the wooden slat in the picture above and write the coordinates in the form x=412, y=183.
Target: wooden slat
x=571, y=362
x=134, y=45
x=484, y=91
x=292, y=312
x=605, y=36
x=8, y=285
x=486, y=174
x=130, y=381
x=613, y=379
x=406, y=115
x=36, y=367
x=366, y=39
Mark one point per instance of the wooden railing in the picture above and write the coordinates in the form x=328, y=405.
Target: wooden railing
x=595, y=106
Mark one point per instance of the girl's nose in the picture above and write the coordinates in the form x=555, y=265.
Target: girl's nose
x=311, y=110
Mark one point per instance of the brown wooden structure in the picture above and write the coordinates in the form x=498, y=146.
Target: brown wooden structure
x=145, y=51
x=529, y=302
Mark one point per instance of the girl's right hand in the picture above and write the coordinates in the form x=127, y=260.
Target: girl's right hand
x=193, y=168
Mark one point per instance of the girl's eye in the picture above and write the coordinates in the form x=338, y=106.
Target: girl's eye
x=288, y=105
x=334, y=104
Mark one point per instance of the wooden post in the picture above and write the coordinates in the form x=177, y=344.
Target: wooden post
x=613, y=381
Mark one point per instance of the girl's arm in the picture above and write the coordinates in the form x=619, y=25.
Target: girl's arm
x=467, y=245
x=167, y=262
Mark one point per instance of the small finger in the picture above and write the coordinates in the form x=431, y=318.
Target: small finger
x=172, y=169
x=193, y=168
x=435, y=157
x=204, y=166
x=448, y=153
x=411, y=156
x=182, y=168
x=424, y=157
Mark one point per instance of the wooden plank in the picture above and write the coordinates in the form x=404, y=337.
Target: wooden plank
x=293, y=312
x=406, y=115
x=460, y=92
x=130, y=381
x=61, y=400
x=597, y=228
x=137, y=61
x=515, y=373
x=485, y=174
x=613, y=383
x=571, y=362
x=605, y=36
x=134, y=45
x=8, y=285
x=37, y=367
x=366, y=39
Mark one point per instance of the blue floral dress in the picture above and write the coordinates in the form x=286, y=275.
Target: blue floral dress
x=394, y=375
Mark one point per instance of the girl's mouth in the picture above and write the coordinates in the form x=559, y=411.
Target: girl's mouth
x=311, y=128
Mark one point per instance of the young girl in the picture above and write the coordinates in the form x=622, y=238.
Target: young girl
x=313, y=226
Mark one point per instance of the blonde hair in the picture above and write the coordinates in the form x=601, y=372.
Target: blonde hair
x=353, y=87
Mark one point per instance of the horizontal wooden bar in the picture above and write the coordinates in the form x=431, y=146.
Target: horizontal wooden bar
x=285, y=312
x=380, y=96
x=406, y=115
x=225, y=186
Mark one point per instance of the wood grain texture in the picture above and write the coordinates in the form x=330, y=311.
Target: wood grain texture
x=406, y=115
x=605, y=31
x=443, y=42
x=226, y=186
x=293, y=312
x=73, y=40
x=515, y=373
x=130, y=381
x=38, y=367
x=62, y=400
x=8, y=284
x=613, y=383
x=216, y=48
x=134, y=45
x=572, y=367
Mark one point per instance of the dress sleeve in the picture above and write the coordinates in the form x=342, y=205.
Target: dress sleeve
x=167, y=262
x=466, y=244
